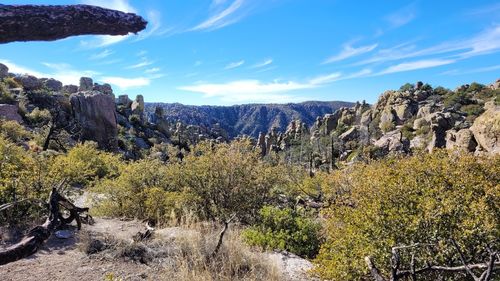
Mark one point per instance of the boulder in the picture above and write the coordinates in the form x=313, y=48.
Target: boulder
x=70, y=89
x=124, y=100
x=405, y=110
x=486, y=129
x=440, y=122
x=349, y=135
x=4, y=71
x=95, y=112
x=462, y=140
x=393, y=142
x=86, y=84
x=104, y=88
x=331, y=121
x=29, y=82
x=52, y=85
x=9, y=112
x=494, y=86
x=138, y=105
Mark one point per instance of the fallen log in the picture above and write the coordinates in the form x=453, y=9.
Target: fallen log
x=53, y=22
x=39, y=234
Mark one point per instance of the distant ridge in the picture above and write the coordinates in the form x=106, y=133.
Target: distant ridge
x=248, y=119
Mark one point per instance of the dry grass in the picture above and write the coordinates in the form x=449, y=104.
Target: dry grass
x=184, y=253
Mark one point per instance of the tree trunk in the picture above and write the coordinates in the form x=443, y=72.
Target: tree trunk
x=37, y=236
x=53, y=22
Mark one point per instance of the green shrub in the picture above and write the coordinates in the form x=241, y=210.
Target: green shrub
x=13, y=131
x=38, y=116
x=406, y=87
x=5, y=95
x=426, y=198
x=11, y=83
x=285, y=229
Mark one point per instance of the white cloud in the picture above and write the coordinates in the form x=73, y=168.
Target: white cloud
x=485, y=42
x=126, y=83
x=101, y=55
x=152, y=70
x=119, y=5
x=402, y=16
x=324, y=79
x=67, y=74
x=141, y=64
x=234, y=64
x=263, y=63
x=470, y=71
x=420, y=64
x=154, y=24
x=100, y=41
x=249, y=90
x=18, y=69
x=348, y=51
x=222, y=18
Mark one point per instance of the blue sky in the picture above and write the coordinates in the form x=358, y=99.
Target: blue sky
x=246, y=51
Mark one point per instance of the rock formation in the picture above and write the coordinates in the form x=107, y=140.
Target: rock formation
x=95, y=112
x=48, y=23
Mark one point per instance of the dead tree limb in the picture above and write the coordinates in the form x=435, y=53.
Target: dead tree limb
x=53, y=22
x=37, y=235
x=399, y=274
x=221, y=236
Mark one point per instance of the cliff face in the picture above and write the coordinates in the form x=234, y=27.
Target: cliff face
x=415, y=117
x=248, y=119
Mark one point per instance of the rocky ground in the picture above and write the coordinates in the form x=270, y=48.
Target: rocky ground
x=65, y=259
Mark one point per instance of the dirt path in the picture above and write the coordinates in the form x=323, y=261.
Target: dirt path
x=62, y=259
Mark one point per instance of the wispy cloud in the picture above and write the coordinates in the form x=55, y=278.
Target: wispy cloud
x=120, y=5
x=152, y=70
x=402, y=16
x=18, y=69
x=420, y=64
x=489, y=9
x=249, y=90
x=485, y=42
x=140, y=64
x=100, y=41
x=221, y=18
x=67, y=74
x=101, y=55
x=324, y=79
x=234, y=64
x=266, y=62
x=473, y=70
x=125, y=83
x=348, y=51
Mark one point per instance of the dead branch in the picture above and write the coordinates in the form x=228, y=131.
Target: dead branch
x=398, y=274
x=39, y=234
x=53, y=22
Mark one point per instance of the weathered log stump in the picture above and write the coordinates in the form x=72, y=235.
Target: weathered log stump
x=39, y=234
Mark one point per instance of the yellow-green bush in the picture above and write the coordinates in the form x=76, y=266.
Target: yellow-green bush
x=85, y=163
x=428, y=198
x=13, y=131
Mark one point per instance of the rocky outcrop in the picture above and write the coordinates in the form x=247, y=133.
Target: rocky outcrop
x=393, y=142
x=461, y=140
x=70, y=89
x=96, y=115
x=86, y=84
x=4, y=71
x=52, y=84
x=47, y=23
x=138, y=105
x=29, y=82
x=10, y=112
x=486, y=129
